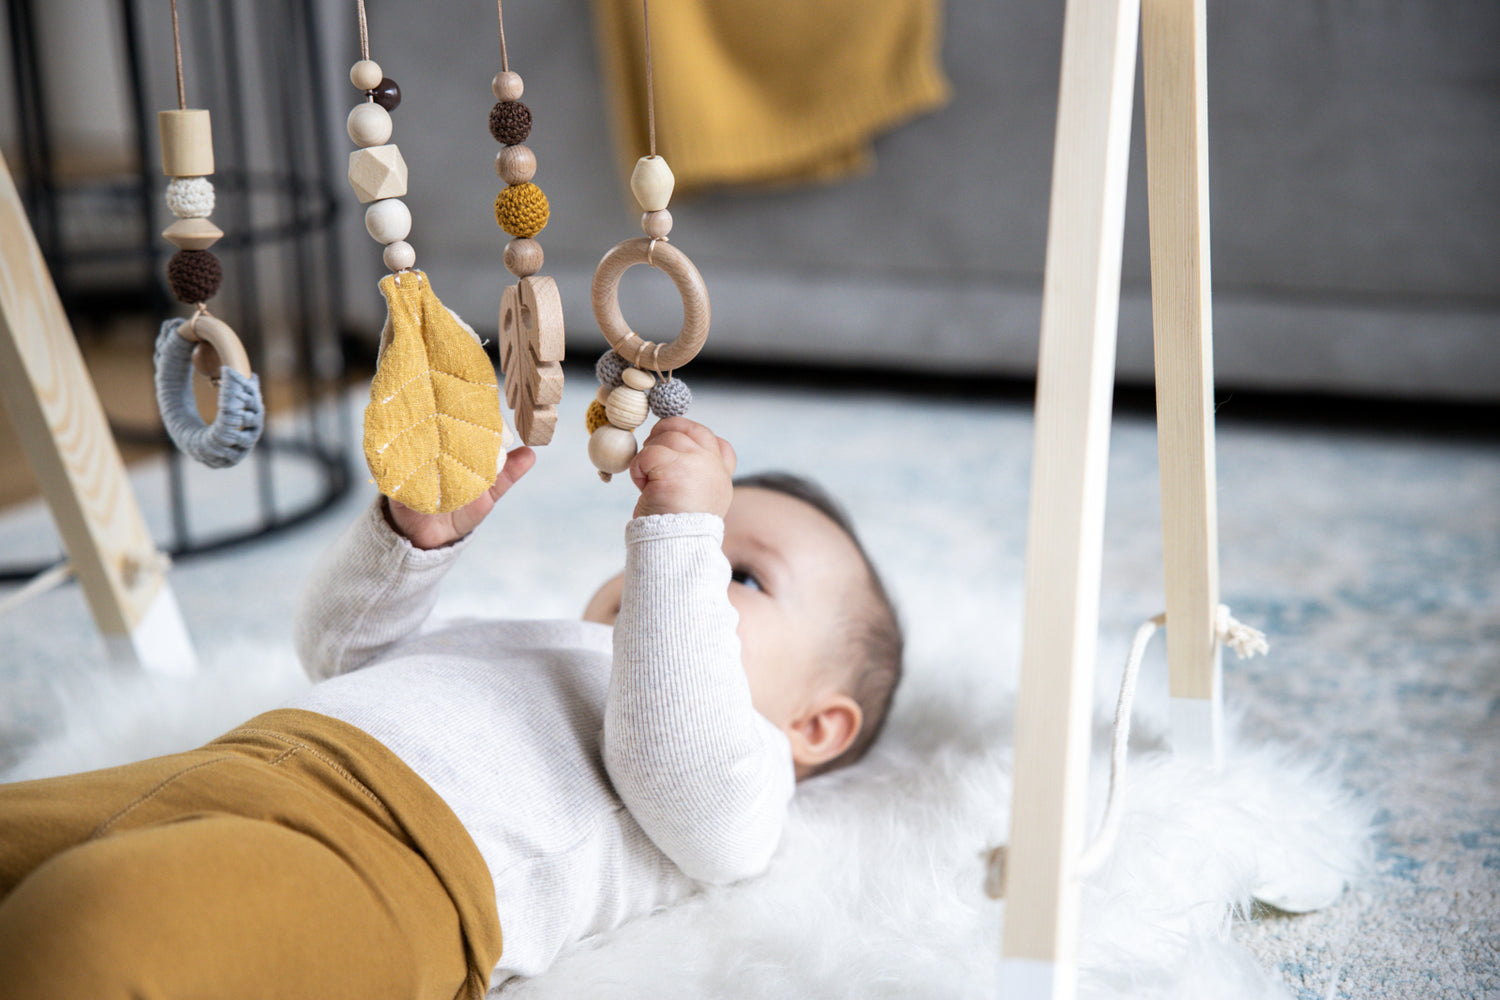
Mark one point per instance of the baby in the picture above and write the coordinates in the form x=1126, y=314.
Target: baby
x=456, y=806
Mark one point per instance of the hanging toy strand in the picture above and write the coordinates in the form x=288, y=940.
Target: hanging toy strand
x=627, y=389
x=201, y=341
x=433, y=431
x=531, y=321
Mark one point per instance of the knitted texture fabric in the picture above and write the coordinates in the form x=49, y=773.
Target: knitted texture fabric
x=609, y=368
x=510, y=122
x=670, y=398
x=432, y=427
x=522, y=210
x=191, y=197
x=194, y=276
x=596, y=417
x=241, y=414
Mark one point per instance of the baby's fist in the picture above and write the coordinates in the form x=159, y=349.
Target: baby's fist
x=682, y=468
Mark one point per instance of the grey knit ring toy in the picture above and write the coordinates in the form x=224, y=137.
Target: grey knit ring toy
x=241, y=413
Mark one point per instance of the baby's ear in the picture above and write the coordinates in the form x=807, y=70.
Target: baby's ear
x=824, y=731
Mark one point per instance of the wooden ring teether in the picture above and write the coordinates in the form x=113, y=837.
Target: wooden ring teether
x=221, y=337
x=695, y=309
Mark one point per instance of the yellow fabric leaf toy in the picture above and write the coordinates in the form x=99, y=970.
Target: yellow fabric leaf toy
x=433, y=429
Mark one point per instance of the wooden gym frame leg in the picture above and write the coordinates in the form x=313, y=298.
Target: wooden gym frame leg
x=1075, y=382
x=66, y=437
x=1173, y=52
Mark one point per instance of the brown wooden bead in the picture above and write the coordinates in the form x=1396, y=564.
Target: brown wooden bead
x=515, y=164
x=657, y=224
x=507, y=86
x=386, y=94
x=510, y=122
x=523, y=257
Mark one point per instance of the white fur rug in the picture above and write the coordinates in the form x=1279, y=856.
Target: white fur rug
x=877, y=890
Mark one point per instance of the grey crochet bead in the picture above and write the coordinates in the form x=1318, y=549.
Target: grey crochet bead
x=609, y=368
x=670, y=398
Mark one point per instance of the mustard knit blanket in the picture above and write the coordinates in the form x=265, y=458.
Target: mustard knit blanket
x=760, y=92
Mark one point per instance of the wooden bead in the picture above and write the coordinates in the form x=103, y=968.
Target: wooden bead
x=377, y=172
x=657, y=224
x=192, y=234
x=515, y=164
x=399, y=256
x=651, y=182
x=523, y=257
x=602, y=396
x=369, y=125
x=611, y=449
x=365, y=74
x=507, y=86
x=626, y=407
x=388, y=220
x=187, y=145
x=386, y=94
x=637, y=379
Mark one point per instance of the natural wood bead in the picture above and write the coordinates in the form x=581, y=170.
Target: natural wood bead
x=611, y=449
x=507, y=86
x=377, y=172
x=523, y=257
x=399, y=256
x=637, y=379
x=365, y=74
x=602, y=396
x=626, y=407
x=651, y=182
x=206, y=361
x=369, y=125
x=388, y=220
x=192, y=234
x=187, y=145
x=657, y=224
x=515, y=164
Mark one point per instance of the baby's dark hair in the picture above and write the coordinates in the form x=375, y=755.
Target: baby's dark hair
x=875, y=636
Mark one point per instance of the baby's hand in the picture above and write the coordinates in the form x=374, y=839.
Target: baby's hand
x=433, y=531
x=682, y=468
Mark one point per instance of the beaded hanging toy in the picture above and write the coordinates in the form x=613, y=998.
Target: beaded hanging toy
x=433, y=430
x=627, y=389
x=202, y=341
x=531, y=321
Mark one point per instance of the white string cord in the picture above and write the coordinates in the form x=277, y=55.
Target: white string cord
x=38, y=585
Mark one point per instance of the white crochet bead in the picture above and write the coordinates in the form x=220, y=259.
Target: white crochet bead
x=191, y=197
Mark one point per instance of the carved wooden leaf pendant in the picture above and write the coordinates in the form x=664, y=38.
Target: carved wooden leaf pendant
x=531, y=345
x=432, y=428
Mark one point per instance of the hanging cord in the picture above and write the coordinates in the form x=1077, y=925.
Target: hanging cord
x=504, y=56
x=650, y=92
x=38, y=585
x=364, y=32
x=177, y=53
x=1244, y=640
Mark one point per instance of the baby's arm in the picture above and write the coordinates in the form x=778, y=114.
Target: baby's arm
x=378, y=583
x=705, y=775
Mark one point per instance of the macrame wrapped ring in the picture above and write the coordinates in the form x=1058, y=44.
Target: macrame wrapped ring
x=241, y=413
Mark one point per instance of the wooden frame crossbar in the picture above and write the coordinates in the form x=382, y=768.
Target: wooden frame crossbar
x=1080, y=309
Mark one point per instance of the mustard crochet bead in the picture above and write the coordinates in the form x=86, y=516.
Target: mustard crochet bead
x=521, y=210
x=596, y=417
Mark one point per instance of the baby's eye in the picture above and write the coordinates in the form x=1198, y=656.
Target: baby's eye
x=745, y=577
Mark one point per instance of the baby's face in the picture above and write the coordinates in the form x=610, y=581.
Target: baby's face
x=795, y=576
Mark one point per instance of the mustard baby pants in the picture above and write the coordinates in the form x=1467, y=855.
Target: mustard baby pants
x=293, y=857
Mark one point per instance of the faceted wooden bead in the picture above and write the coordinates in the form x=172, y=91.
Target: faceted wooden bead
x=187, y=145
x=515, y=164
x=365, y=74
x=651, y=182
x=194, y=276
x=192, y=234
x=388, y=220
x=399, y=256
x=377, y=172
x=507, y=86
x=369, y=125
x=637, y=379
x=523, y=257
x=626, y=407
x=657, y=224
x=521, y=210
x=510, y=122
x=386, y=94
x=611, y=449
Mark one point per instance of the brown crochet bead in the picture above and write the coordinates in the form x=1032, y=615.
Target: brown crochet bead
x=194, y=276
x=510, y=122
